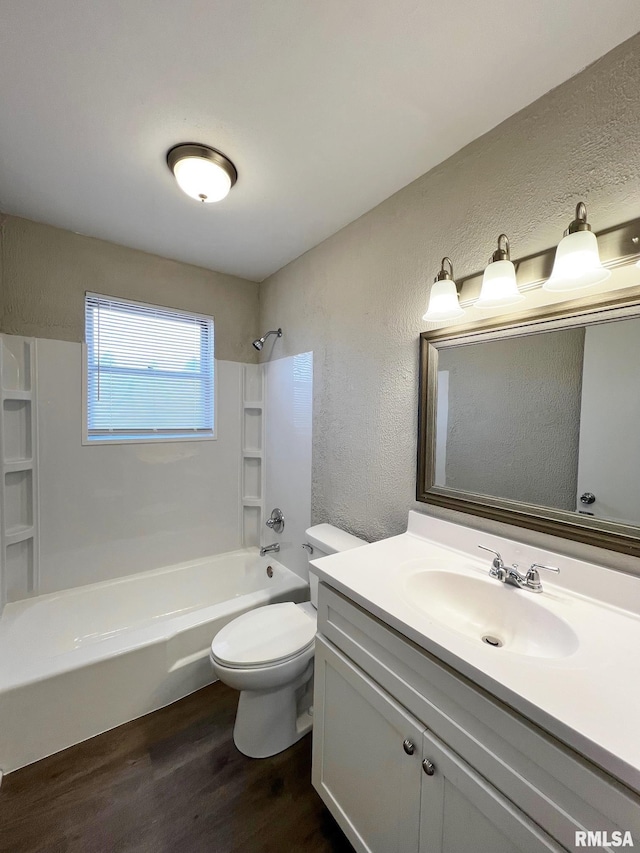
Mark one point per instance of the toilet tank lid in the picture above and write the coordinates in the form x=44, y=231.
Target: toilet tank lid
x=332, y=540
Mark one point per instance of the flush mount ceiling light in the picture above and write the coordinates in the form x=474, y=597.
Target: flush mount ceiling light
x=443, y=298
x=577, y=262
x=202, y=172
x=499, y=286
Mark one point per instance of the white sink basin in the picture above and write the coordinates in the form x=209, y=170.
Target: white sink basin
x=497, y=614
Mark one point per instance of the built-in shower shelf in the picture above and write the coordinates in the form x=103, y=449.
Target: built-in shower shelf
x=16, y=395
x=19, y=534
x=19, y=475
x=12, y=465
x=252, y=503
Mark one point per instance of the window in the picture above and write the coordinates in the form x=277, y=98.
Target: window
x=149, y=372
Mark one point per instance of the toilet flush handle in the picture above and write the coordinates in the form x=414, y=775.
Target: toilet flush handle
x=307, y=547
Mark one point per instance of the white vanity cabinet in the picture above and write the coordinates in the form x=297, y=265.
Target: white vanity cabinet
x=392, y=785
x=461, y=811
x=368, y=778
x=411, y=758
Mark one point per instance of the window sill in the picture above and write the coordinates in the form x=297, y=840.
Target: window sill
x=97, y=440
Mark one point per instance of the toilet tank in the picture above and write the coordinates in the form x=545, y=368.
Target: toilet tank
x=327, y=539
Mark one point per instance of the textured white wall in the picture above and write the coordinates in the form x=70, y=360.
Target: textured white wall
x=357, y=299
x=45, y=272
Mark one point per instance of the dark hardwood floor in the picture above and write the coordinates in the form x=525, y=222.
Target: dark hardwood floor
x=171, y=781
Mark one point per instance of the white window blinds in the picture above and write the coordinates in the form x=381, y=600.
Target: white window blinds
x=149, y=371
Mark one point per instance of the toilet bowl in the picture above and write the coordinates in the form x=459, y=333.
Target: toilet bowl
x=267, y=654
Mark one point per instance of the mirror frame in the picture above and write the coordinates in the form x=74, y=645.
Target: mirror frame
x=614, y=536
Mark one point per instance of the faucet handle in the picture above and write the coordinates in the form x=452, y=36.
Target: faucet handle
x=533, y=576
x=498, y=562
x=535, y=566
x=497, y=569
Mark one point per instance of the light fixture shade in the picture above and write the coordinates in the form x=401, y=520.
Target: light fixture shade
x=499, y=286
x=202, y=172
x=577, y=263
x=443, y=302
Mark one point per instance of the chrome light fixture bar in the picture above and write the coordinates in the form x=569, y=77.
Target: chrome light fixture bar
x=618, y=246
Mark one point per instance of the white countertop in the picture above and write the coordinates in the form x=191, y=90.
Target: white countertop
x=589, y=699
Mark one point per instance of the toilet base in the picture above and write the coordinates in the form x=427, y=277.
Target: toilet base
x=270, y=721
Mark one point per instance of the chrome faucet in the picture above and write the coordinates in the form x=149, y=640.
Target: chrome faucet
x=268, y=549
x=511, y=575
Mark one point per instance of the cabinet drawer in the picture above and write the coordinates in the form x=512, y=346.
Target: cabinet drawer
x=555, y=786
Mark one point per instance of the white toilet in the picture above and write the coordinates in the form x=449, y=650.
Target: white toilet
x=267, y=654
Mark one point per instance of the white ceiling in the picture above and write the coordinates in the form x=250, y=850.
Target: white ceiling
x=326, y=107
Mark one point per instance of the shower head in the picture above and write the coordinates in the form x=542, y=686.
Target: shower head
x=259, y=343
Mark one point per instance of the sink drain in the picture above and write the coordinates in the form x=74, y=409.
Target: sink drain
x=492, y=641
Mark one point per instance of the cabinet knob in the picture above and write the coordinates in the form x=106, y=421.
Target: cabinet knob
x=429, y=767
x=408, y=747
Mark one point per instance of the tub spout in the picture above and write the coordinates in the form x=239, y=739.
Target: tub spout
x=269, y=548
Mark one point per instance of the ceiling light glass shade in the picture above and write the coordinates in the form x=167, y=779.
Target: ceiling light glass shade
x=577, y=263
x=499, y=286
x=443, y=303
x=202, y=179
x=202, y=172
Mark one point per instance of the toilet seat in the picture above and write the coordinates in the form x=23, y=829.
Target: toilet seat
x=264, y=637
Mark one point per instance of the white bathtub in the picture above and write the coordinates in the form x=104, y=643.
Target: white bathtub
x=76, y=663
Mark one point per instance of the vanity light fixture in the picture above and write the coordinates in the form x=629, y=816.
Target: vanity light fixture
x=581, y=260
x=499, y=285
x=577, y=264
x=202, y=172
x=443, y=297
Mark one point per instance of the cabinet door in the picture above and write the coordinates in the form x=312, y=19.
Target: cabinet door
x=362, y=768
x=462, y=813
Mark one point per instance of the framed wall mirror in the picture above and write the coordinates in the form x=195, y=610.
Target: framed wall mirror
x=535, y=421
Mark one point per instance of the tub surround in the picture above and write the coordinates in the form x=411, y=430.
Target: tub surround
x=120, y=509
x=289, y=393
x=587, y=696
x=117, y=509
x=78, y=662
